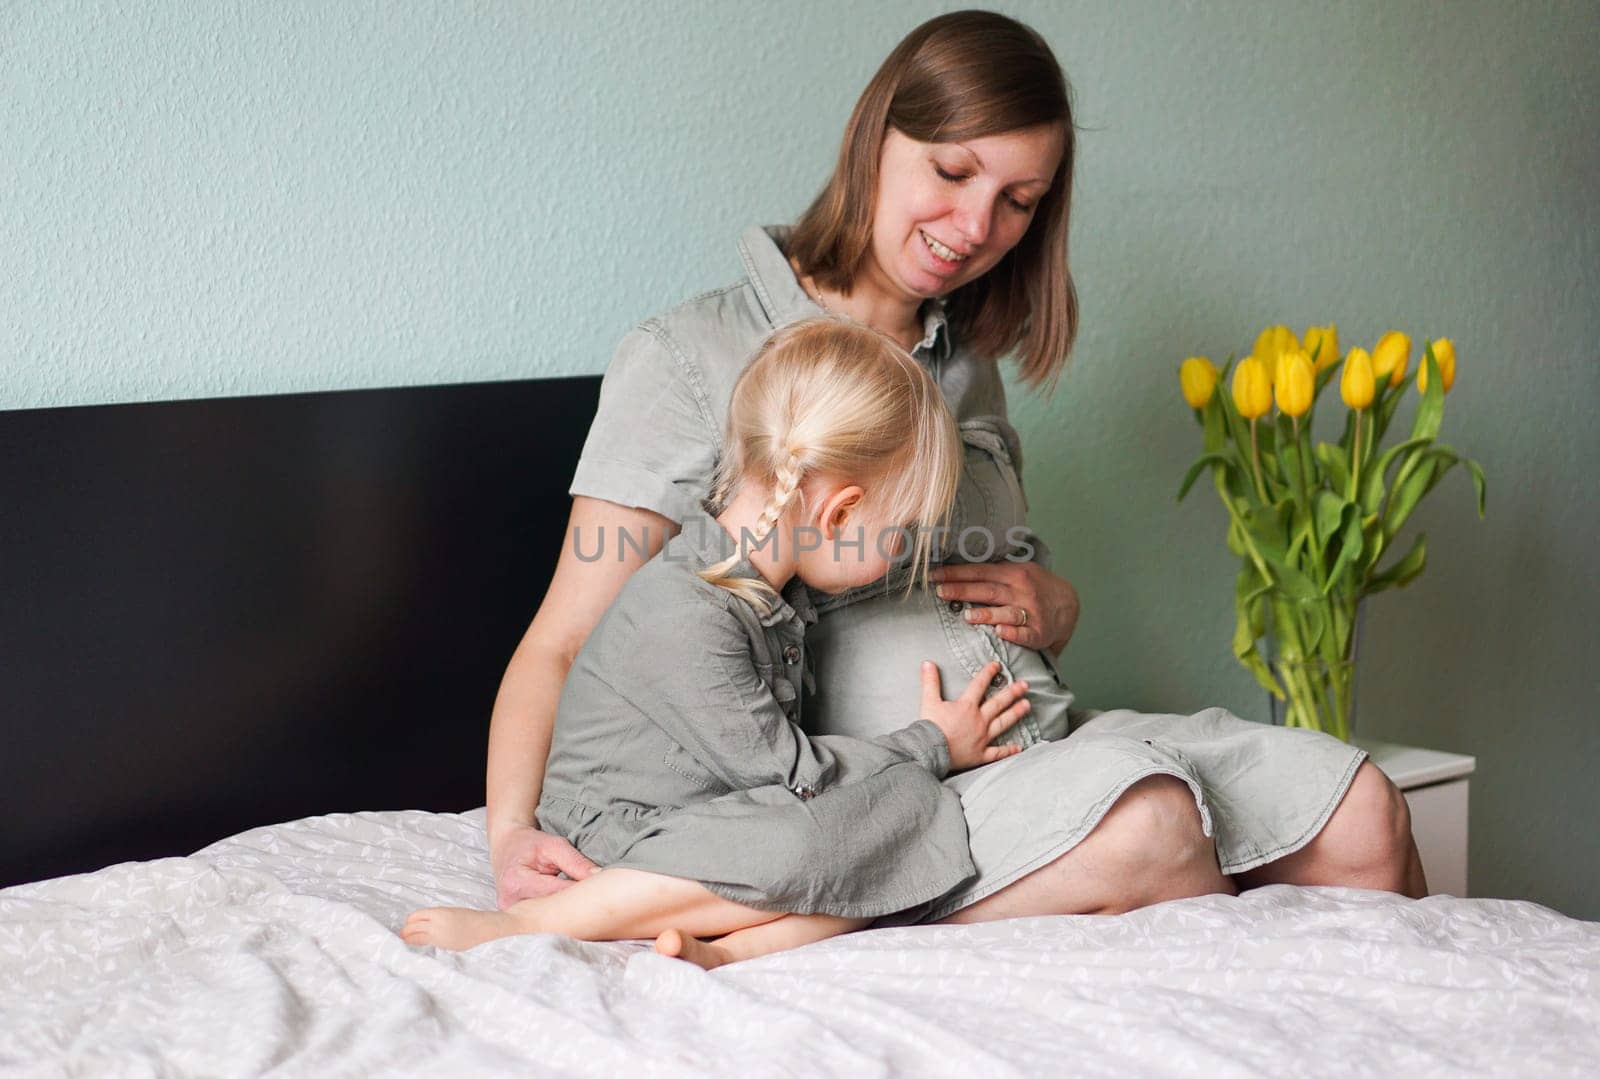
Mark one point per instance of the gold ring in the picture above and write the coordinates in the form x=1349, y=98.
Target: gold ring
x=1024, y=621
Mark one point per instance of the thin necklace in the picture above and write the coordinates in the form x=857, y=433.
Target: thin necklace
x=816, y=294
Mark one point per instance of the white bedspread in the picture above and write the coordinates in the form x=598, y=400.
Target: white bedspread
x=276, y=949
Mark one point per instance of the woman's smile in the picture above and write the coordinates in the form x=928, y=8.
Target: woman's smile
x=943, y=255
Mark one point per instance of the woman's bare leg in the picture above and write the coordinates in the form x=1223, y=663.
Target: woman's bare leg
x=1148, y=848
x=1367, y=843
x=781, y=934
x=616, y=904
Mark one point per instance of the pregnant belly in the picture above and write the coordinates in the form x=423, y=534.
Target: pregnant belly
x=868, y=658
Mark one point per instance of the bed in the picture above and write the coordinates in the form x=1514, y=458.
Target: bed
x=246, y=660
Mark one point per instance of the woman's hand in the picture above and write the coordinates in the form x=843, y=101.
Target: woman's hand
x=1023, y=601
x=969, y=722
x=526, y=862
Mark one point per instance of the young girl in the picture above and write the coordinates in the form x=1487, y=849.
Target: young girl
x=677, y=761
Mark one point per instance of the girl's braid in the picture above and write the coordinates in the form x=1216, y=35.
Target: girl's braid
x=788, y=477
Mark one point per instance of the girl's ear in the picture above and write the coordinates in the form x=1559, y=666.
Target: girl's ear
x=836, y=507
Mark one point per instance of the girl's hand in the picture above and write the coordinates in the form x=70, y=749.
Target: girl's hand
x=526, y=861
x=969, y=722
x=1023, y=601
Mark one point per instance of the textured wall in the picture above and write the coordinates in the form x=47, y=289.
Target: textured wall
x=232, y=198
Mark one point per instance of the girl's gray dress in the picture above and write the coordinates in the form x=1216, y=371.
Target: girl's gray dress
x=1262, y=791
x=677, y=750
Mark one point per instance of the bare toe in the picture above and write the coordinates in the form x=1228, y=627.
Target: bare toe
x=670, y=943
x=418, y=928
x=680, y=945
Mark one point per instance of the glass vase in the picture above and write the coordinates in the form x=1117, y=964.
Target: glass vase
x=1311, y=649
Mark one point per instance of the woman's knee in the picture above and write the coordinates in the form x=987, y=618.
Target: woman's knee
x=1154, y=830
x=1370, y=831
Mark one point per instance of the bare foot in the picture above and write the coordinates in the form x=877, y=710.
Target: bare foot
x=675, y=944
x=459, y=928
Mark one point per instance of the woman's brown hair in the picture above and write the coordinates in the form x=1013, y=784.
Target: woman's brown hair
x=960, y=76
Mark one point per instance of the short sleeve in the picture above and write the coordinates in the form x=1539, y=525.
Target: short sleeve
x=653, y=443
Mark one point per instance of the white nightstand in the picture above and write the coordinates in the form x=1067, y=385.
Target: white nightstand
x=1435, y=786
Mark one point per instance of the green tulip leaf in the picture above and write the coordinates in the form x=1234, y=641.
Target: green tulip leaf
x=1296, y=585
x=1351, y=545
x=1302, y=540
x=1213, y=423
x=1402, y=572
x=1266, y=438
x=1373, y=541
x=1249, y=600
x=1347, y=436
x=1430, y=414
x=1221, y=460
x=1408, y=491
x=1270, y=524
x=1244, y=650
x=1249, y=586
x=1272, y=469
x=1237, y=483
x=1478, y=482
x=1415, y=487
x=1288, y=461
x=1335, y=463
x=1374, y=483
x=1317, y=626
x=1389, y=398
x=1480, y=486
x=1330, y=509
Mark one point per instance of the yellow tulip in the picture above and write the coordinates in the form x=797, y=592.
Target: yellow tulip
x=1252, y=390
x=1392, y=356
x=1198, y=377
x=1322, y=344
x=1271, y=343
x=1444, y=351
x=1357, y=385
x=1295, y=382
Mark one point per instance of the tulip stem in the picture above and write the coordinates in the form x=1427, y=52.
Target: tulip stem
x=1255, y=464
x=1355, y=461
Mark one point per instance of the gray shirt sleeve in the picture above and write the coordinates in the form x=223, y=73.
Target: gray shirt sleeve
x=702, y=689
x=653, y=443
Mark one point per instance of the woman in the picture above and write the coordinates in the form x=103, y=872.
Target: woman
x=945, y=227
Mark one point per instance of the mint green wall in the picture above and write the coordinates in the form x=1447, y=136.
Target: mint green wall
x=237, y=198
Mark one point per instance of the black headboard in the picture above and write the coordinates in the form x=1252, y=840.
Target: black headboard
x=219, y=614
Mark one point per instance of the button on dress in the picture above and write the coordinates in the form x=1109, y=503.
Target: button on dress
x=1261, y=792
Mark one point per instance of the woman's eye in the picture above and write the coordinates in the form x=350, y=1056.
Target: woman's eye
x=950, y=176
x=1020, y=207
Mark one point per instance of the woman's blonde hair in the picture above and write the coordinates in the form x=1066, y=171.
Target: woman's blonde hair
x=959, y=76
x=832, y=399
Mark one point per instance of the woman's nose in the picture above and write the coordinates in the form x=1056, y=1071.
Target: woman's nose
x=972, y=219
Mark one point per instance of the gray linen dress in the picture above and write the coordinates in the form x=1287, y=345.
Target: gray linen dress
x=677, y=750
x=1262, y=792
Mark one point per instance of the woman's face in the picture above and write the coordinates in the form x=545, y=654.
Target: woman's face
x=947, y=212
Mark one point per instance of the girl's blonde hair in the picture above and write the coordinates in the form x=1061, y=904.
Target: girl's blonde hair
x=825, y=397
